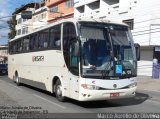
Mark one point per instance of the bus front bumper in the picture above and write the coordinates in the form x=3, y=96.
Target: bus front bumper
x=93, y=95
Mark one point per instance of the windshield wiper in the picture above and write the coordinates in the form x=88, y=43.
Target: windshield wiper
x=107, y=69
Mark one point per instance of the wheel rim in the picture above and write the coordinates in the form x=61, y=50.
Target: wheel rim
x=59, y=91
x=17, y=80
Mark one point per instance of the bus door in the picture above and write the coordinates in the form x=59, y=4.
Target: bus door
x=74, y=69
x=71, y=58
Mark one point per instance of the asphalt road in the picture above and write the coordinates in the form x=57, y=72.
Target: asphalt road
x=26, y=98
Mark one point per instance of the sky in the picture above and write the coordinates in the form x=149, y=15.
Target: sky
x=7, y=7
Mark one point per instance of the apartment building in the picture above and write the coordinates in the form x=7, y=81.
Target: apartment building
x=40, y=17
x=59, y=9
x=24, y=26
x=142, y=17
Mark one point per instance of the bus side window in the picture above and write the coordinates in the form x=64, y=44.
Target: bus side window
x=43, y=41
x=55, y=37
x=32, y=42
x=26, y=43
x=19, y=48
x=36, y=41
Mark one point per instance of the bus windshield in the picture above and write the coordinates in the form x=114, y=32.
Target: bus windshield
x=103, y=46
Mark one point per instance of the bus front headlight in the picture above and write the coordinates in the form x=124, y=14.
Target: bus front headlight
x=90, y=87
x=133, y=85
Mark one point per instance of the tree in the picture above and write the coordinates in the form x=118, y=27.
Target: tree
x=11, y=24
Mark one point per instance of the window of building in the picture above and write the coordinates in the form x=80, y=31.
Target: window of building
x=36, y=18
x=24, y=30
x=94, y=5
x=43, y=15
x=130, y=23
x=24, y=20
x=54, y=9
x=80, y=9
x=19, y=21
x=19, y=32
x=69, y=3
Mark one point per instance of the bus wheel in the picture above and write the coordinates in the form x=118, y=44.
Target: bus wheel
x=17, y=80
x=58, y=91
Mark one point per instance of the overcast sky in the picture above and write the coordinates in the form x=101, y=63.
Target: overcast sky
x=7, y=7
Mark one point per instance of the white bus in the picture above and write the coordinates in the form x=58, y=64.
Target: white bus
x=76, y=58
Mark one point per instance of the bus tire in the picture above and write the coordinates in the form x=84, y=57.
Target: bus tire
x=58, y=91
x=17, y=79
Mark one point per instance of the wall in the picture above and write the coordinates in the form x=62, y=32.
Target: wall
x=62, y=11
x=26, y=23
x=39, y=20
x=146, y=60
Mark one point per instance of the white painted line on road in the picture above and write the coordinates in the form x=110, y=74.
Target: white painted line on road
x=11, y=85
x=149, y=90
x=49, y=101
x=14, y=86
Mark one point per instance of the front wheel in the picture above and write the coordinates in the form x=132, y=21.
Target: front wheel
x=59, y=91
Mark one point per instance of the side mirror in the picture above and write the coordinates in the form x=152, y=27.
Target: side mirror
x=137, y=48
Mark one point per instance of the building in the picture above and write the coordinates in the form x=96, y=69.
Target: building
x=3, y=54
x=142, y=17
x=59, y=9
x=24, y=26
x=40, y=17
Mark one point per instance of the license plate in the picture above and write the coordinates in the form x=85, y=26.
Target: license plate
x=114, y=94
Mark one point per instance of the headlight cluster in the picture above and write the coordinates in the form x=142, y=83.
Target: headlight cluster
x=90, y=87
x=133, y=85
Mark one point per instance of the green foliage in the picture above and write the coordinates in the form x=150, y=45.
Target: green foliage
x=11, y=24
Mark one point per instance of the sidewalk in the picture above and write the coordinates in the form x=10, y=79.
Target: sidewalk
x=147, y=83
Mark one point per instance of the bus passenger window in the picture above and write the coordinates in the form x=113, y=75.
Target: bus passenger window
x=26, y=44
x=32, y=42
x=45, y=44
x=43, y=39
x=55, y=37
x=36, y=41
x=57, y=42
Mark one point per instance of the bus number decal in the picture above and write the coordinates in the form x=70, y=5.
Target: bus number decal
x=37, y=58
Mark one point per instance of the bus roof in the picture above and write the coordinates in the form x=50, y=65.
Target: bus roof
x=74, y=20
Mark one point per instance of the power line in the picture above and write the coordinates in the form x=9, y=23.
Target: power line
x=145, y=30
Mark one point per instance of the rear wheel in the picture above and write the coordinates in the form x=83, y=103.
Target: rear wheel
x=59, y=91
x=17, y=79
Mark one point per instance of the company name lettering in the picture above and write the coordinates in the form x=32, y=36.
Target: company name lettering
x=37, y=58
